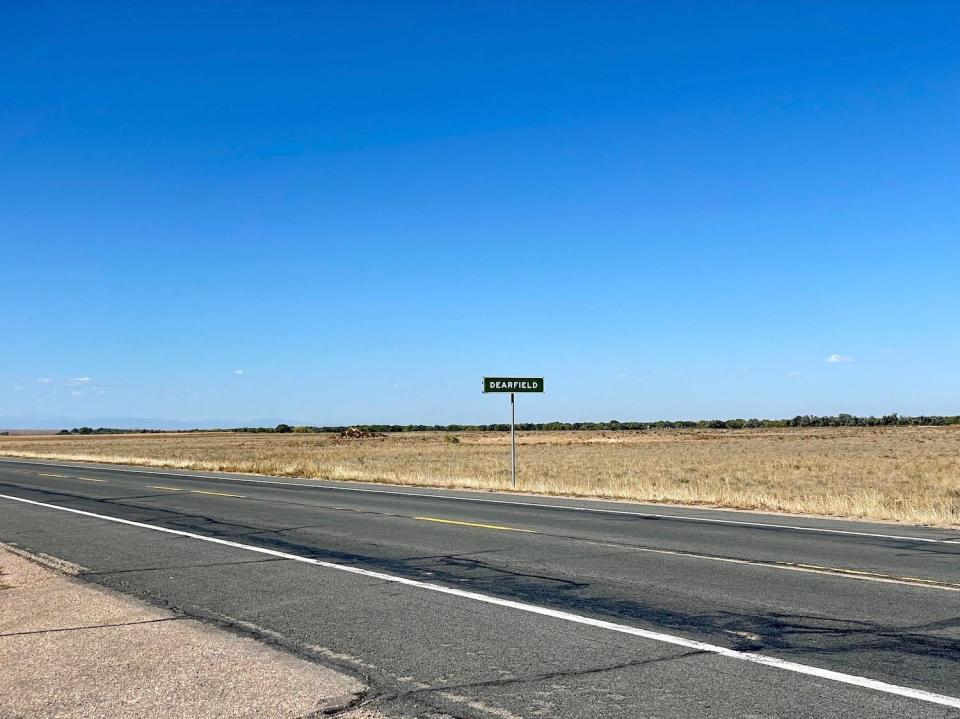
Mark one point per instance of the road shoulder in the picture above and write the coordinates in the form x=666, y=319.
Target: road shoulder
x=73, y=649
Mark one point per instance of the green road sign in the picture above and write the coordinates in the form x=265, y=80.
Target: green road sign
x=513, y=384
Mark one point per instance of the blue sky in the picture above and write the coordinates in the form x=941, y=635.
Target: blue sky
x=351, y=212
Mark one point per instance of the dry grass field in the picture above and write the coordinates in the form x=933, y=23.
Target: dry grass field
x=909, y=474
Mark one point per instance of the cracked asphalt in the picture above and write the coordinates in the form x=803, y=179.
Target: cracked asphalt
x=838, y=598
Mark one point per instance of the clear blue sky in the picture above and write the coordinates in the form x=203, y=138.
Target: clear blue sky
x=351, y=212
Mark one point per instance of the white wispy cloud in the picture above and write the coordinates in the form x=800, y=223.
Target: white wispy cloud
x=834, y=359
x=44, y=380
x=238, y=371
x=78, y=382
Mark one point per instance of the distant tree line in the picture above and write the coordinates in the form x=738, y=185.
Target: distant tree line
x=807, y=420
x=114, y=430
x=840, y=420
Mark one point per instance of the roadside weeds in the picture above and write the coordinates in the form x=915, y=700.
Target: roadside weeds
x=909, y=475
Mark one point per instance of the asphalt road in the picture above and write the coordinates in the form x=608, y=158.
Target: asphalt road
x=485, y=605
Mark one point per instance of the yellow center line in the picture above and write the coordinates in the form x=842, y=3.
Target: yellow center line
x=195, y=491
x=475, y=524
x=90, y=479
x=44, y=474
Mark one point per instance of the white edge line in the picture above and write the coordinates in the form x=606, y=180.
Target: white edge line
x=539, y=505
x=753, y=658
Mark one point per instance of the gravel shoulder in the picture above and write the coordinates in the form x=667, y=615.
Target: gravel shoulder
x=72, y=649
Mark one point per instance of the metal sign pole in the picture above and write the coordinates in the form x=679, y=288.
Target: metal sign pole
x=513, y=385
x=513, y=439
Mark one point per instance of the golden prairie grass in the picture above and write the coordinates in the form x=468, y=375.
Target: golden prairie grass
x=908, y=474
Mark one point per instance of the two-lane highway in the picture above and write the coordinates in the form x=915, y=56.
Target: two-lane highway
x=476, y=604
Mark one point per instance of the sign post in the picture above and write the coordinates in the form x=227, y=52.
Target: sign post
x=513, y=439
x=513, y=385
